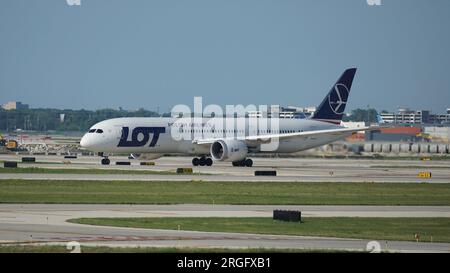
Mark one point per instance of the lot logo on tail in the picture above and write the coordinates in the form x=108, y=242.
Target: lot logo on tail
x=338, y=98
x=140, y=136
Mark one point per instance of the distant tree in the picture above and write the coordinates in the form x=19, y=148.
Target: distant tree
x=49, y=119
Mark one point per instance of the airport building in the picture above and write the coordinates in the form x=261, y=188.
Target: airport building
x=396, y=133
x=407, y=116
x=360, y=135
x=15, y=105
x=437, y=134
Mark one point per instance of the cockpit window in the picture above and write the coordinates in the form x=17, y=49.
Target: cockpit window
x=92, y=131
x=99, y=131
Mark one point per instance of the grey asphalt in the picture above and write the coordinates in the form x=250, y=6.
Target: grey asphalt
x=288, y=169
x=28, y=223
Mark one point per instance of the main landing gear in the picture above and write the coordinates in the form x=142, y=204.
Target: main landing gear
x=207, y=161
x=202, y=161
x=243, y=163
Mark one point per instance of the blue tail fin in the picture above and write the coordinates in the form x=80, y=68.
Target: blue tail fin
x=380, y=119
x=333, y=106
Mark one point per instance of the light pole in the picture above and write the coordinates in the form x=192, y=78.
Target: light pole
x=368, y=114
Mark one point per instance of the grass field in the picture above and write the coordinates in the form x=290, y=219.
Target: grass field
x=264, y=193
x=343, y=227
x=92, y=249
x=80, y=171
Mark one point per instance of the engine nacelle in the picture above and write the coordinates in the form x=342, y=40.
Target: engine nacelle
x=229, y=150
x=146, y=156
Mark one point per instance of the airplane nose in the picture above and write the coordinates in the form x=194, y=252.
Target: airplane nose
x=84, y=142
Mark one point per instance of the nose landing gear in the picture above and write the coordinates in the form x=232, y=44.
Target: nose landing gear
x=202, y=161
x=105, y=161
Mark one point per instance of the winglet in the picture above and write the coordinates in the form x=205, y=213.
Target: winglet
x=333, y=105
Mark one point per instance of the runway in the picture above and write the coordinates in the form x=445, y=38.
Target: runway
x=288, y=170
x=27, y=223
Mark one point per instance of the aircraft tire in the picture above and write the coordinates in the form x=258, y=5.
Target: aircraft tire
x=195, y=161
x=105, y=161
x=209, y=162
x=248, y=162
x=202, y=161
x=239, y=163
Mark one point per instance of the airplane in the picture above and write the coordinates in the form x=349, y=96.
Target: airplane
x=380, y=119
x=151, y=138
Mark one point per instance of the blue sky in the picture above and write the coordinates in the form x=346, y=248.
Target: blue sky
x=143, y=53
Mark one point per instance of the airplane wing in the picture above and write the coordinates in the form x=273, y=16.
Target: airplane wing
x=261, y=139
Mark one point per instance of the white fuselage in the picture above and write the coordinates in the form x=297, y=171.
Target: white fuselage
x=139, y=137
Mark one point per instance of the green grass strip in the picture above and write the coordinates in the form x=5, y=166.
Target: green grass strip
x=402, y=229
x=258, y=193
x=80, y=171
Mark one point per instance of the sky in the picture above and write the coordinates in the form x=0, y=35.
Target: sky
x=156, y=54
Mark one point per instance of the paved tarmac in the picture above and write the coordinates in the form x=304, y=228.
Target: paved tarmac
x=29, y=223
x=288, y=169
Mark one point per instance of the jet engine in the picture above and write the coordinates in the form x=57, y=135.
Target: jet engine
x=229, y=150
